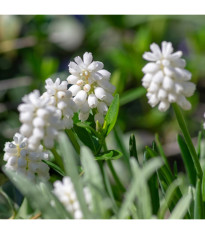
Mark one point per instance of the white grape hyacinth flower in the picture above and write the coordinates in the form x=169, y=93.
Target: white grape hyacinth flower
x=66, y=194
x=165, y=78
x=61, y=98
x=91, y=87
x=21, y=159
x=40, y=121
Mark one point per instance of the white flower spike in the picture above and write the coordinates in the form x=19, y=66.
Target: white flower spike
x=61, y=98
x=165, y=78
x=40, y=121
x=20, y=159
x=66, y=194
x=90, y=88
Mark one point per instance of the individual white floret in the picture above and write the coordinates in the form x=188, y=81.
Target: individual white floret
x=21, y=159
x=65, y=192
x=40, y=120
x=165, y=78
x=91, y=86
x=61, y=98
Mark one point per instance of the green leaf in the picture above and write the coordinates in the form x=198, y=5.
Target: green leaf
x=203, y=186
x=168, y=199
x=88, y=138
x=165, y=179
x=39, y=196
x=161, y=152
x=132, y=147
x=187, y=159
x=109, y=155
x=25, y=211
x=119, y=138
x=188, y=140
x=139, y=189
x=154, y=189
x=131, y=95
x=182, y=207
x=199, y=143
x=54, y=167
x=69, y=157
x=73, y=140
x=58, y=158
x=93, y=180
x=6, y=208
x=111, y=116
x=109, y=190
x=168, y=177
x=198, y=203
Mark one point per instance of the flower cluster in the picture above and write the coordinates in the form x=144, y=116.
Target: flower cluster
x=40, y=121
x=66, y=194
x=165, y=78
x=60, y=97
x=91, y=88
x=21, y=159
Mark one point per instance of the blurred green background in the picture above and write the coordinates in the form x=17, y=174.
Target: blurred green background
x=33, y=48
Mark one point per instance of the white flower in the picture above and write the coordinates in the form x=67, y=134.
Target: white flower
x=165, y=78
x=21, y=159
x=66, y=194
x=40, y=121
x=90, y=88
x=60, y=97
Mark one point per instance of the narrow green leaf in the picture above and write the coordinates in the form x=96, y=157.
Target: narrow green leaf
x=203, y=186
x=168, y=199
x=6, y=207
x=187, y=137
x=118, y=135
x=139, y=189
x=187, y=159
x=198, y=203
x=25, y=211
x=175, y=169
x=109, y=190
x=111, y=116
x=153, y=187
x=93, y=180
x=57, y=157
x=151, y=166
x=199, y=144
x=165, y=179
x=182, y=207
x=163, y=171
x=132, y=147
x=69, y=157
x=54, y=167
x=132, y=95
x=161, y=152
x=39, y=196
x=109, y=155
x=73, y=140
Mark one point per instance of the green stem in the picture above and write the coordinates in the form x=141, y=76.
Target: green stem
x=187, y=137
x=114, y=174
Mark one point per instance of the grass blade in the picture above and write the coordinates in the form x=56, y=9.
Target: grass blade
x=182, y=207
x=187, y=159
x=198, y=203
x=69, y=155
